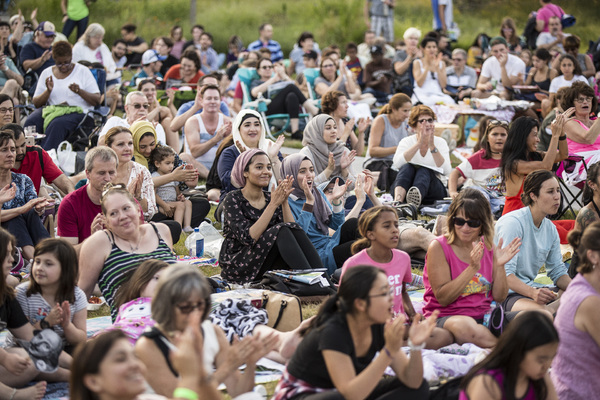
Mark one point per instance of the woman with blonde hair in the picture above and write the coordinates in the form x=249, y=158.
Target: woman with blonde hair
x=90, y=47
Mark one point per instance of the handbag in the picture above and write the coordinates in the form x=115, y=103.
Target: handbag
x=293, y=282
x=284, y=310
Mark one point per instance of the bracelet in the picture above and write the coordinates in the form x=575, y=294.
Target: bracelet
x=336, y=204
x=563, y=137
x=414, y=347
x=12, y=395
x=388, y=352
x=185, y=393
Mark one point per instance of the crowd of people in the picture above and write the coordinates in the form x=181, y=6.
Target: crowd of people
x=110, y=227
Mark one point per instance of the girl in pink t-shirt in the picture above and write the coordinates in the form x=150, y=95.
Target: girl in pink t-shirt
x=378, y=227
x=464, y=271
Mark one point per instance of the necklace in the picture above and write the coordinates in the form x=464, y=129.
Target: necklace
x=137, y=246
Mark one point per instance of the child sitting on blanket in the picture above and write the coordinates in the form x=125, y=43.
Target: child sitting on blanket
x=378, y=227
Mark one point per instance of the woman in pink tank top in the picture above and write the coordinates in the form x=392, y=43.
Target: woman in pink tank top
x=583, y=131
x=577, y=365
x=517, y=368
x=464, y=271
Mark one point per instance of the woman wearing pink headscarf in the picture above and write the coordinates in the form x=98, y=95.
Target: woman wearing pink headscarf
x=259, y=227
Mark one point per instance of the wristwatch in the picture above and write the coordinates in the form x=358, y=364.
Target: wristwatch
x=435, y=150
x=44, y=324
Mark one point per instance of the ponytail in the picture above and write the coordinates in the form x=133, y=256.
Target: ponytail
x=360, y=244
x=386, y=109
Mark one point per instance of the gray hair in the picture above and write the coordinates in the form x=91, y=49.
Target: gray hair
x=178, y=284
x=410, y=32
x=462, y=52
x=104, y=153
x=93, y=30
x=131, y=94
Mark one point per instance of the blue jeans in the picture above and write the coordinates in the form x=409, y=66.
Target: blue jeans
x=424, y=179
x=70, y=26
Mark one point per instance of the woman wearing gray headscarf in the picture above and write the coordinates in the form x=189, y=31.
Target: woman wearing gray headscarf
x=259, y=227
x=329, y=156
x=316, y=215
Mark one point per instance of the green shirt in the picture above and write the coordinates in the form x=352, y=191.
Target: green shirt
x=77, y=10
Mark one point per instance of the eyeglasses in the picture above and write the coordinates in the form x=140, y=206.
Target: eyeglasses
x=473, y=223
x=188, y=308
x=109, y=186
x=580, y=100
x=137, y=106
x=4, y=110
x=329, y=66
x=494, y=123
x=65, y=64
x=266, y=67
x=427, y=120
x=458, y=59
x=389, y=293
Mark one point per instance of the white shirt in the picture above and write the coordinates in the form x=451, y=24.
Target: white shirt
x=118, y=121
x=491, y=69
x=560, y=81
x=427, y=160
x=102, y=55
x=547, y=38
x=62, y=94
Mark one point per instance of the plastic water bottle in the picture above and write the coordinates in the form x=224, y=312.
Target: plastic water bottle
x=486, y=317
x=197, y=245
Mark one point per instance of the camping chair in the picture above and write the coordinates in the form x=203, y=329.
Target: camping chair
x=277, y=123
x=571, y=190
x=311, y=74
x=95, y=118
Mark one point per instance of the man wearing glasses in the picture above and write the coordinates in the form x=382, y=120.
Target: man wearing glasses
x=460, y=78
x=37, y=55
x=136, y=109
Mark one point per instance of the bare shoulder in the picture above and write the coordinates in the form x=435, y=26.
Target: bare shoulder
x=483, y=386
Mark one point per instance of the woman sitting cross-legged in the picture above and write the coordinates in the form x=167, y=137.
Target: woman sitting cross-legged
x=420, y=160
x=259, y=227
x=351, y=343
x=541, y=246
x=464, y=271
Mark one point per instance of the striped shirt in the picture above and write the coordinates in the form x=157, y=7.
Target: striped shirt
x=273, y=46
x=119, y=265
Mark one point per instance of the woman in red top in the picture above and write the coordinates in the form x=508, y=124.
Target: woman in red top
x=187, y=72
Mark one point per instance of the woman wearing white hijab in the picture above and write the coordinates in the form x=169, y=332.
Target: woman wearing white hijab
x=248, y=132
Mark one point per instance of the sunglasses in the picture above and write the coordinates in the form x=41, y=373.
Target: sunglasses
x=188, y=308
x=473, y=223
x=494, y=123
x=137, y=106
x=109, y=186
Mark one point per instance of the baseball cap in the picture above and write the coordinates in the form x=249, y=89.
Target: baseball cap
x=47, y=28
x=376, y=50
x=151, y=56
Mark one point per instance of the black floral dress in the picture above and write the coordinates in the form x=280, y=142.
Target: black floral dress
x=241, y=257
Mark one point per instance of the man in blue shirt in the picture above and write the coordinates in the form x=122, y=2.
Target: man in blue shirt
x=265, y=40
x=37, y=55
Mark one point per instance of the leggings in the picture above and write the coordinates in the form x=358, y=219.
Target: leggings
x=348, y=235
x=287, y=101
x=388, y=388
x=292, y=250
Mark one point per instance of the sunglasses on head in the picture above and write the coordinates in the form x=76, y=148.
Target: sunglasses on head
x=473, y=223
x=493, y=123
x=109, y=186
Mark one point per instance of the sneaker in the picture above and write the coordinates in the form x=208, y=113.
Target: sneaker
x=297, y=135
x=413, y=196
x=188, y=229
